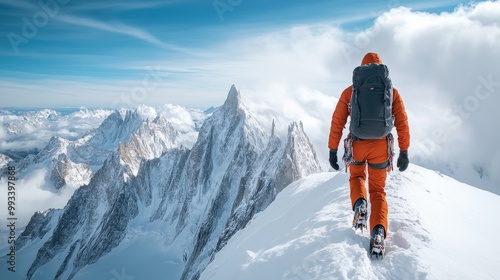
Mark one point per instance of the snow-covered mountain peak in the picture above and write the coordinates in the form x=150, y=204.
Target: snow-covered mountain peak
x=116, y=128
x=56, y=145
x=295, y=126
x=231, y=124
x=54, y=148
x=84, y=113
x=151, y=140
x=301, y=151
x=37, y=118
x=233, y=100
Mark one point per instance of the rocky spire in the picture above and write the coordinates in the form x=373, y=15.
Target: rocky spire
x=233, y=100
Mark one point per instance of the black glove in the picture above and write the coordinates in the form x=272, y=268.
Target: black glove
x=333, y=159
x=403, y=160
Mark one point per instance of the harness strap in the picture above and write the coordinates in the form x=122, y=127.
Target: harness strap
x=379, y=165
x=348, y=158
x=358, y=162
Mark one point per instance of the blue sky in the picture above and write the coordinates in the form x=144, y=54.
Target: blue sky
x=69, y=53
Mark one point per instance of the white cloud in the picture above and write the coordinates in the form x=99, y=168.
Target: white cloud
x=32, y=195
x=33, y=129
x=446, y=67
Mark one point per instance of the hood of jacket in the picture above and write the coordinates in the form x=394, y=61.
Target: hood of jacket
x=371, y=58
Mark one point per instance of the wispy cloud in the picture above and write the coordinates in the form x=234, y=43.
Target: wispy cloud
x=121, y=5
x=119, y=28
x=95, y=5
x=63, y=15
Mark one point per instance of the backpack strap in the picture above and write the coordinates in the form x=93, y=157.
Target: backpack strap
x=354, y=96
x=387, y=94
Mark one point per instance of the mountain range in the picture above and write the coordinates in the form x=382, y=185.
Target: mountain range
x=192, y=200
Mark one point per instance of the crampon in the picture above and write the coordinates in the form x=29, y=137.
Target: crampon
x=360, y=217
x=377, y=248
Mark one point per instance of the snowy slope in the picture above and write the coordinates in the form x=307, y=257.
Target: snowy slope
x=438, y=229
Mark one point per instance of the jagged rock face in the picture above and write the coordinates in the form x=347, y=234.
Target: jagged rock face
x=4, y=160
x=85, y=218
x=200, y=197
x=94, y=148
x=115, y=129
x=277, y=166
x=65, y=172
x=150, y=141
x=55, y=147
x=39, y=226
x=299, y=160
x=71, y=162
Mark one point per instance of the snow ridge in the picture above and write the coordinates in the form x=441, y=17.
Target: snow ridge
x=306, y=233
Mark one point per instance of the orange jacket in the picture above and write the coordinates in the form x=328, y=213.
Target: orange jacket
x=339, y=118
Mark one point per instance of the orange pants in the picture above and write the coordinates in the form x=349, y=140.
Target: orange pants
x=371, y=152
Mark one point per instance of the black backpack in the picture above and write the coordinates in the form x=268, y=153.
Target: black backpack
x=371, y=102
